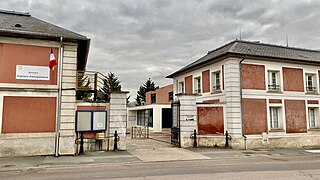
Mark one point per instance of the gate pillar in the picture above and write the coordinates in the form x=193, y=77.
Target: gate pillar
x=188, y=118
x=118, y=120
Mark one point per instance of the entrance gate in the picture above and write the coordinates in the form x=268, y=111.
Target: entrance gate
x=175, y=129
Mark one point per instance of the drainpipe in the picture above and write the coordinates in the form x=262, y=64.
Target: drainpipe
x=57, y=137
x=241, y=107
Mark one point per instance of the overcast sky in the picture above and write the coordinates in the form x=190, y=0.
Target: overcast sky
x=138, y=39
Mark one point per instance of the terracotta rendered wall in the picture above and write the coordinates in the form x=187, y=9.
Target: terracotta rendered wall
x=295, y=116
x=188, y=84
x=292, y=79
x=148, y=96
x=206, y=81
x=210, y=120
x=254, y=116
x=14, y=54
x=162, y=94
x=313, y=102
x=275, y=100
x=28, y=114
x=253, y=76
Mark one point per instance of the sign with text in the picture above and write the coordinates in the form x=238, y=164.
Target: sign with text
x=32, y=72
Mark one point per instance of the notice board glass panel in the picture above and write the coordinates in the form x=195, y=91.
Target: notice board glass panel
x=84, y=121
x=99, y=121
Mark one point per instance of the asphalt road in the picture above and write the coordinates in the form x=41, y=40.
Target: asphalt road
x=268, y=167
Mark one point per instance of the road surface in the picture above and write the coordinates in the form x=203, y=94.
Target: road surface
x=264, y=167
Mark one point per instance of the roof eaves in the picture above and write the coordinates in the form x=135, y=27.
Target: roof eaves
x=184, y=69
x=79, y=36
x=36, y=34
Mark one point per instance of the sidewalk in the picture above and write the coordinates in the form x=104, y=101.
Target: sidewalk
x=148, y=151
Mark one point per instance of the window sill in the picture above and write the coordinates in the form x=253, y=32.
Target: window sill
x=312, y=93
x=276, y=130
x=314, y=129
x=275, y=92
x=216, y=92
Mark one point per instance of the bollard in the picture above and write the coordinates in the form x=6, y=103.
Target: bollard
x=195, y=144
x=228, y=137
x=115, y=147
x=132, y=133
x=81, y=151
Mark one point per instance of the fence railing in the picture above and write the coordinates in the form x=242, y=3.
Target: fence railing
x=90, y=82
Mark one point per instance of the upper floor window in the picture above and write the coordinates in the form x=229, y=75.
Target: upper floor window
x=197, y=85
x=311, y=83
x=273, y=80
x=153, y=98
x=181, y=87
x=216, y=86
x=170, y=96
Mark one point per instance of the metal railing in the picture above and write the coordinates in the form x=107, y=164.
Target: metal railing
x=216, y=88
x=140, y=132
x=273, y=87
x=90, y=82
x=197, y=91
x=311, y=89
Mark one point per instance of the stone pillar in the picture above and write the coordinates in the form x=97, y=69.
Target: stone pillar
x=68, y=100
x=188, y=118
x=118, y=119
x=232, y=89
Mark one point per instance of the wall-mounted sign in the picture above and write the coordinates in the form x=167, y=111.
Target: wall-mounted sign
x=32, y=72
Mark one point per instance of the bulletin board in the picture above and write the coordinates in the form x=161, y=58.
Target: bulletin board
x=91, y=121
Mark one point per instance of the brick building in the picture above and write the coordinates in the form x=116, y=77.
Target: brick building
x=156, y=113
x=264, y=95
x=37, y=104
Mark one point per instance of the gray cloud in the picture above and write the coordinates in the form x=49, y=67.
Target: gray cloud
x=152, y=38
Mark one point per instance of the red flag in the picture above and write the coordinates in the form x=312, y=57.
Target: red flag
x=53, y=61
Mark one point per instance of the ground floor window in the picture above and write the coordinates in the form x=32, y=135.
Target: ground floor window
x=275, y=118
x=145, y=117
x=313, y=117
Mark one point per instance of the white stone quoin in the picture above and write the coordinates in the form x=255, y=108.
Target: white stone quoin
x=188, y=118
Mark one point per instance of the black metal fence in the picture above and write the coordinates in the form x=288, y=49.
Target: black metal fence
x=175, y=129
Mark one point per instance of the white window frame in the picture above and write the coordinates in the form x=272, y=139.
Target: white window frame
x=315, y=108
x=216, y=86
x=181, y=87
x=281, y=123
x=197, y=84
x=274, y=86
x=311, y=86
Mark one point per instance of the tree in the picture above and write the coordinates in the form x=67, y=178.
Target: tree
x=111, y=83
x=149, y=85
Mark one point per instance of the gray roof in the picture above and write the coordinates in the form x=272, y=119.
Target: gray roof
x=23, y=24
x=255, y=49
x=17, y=24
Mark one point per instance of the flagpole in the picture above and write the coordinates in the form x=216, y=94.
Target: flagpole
x=57, y=136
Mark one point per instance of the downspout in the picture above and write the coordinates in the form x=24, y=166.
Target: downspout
x=57, y=137
x=241, y=107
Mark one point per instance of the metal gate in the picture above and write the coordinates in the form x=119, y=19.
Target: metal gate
x=175, y=129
